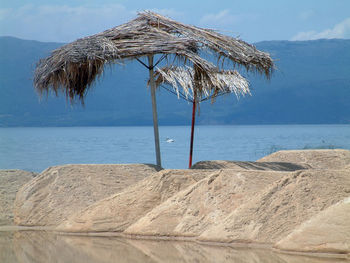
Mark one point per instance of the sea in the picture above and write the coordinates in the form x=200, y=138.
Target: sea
x=35, y=149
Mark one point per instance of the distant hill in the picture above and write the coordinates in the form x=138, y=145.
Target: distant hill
x=311, y=85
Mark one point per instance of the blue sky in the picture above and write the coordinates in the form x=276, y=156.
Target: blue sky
x=251, y=20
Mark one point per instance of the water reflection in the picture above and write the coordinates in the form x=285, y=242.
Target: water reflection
x=40, y=247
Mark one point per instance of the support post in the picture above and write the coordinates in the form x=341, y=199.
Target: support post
x=192, y=131
x=154, y=109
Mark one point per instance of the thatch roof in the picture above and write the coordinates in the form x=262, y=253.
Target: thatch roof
x=216, y=83
x=74, y=67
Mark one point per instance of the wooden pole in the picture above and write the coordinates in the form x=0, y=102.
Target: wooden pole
x=154, y=109
x=196, y=80
x=192, y=131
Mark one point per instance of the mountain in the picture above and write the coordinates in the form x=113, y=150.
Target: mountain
x=311, y=85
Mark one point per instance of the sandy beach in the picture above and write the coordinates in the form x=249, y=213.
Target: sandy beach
x=286, y=207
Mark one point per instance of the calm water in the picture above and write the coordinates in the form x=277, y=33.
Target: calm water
x=42, y=247
x=35, y=149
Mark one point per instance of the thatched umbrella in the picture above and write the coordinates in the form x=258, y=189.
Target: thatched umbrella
x=73, y=68
x=199, y=90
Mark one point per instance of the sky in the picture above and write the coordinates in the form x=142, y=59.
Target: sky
x=250, y=20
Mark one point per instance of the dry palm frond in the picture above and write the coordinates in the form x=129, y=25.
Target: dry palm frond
x=215, y=84
x=74, y=67
x=234, y=49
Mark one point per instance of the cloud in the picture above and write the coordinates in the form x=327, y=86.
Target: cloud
x=174, y=14
x=61, y=23
x=220, y=19
x=231, y=24
x=341, y=30
x=4, y=12
x=305, y=15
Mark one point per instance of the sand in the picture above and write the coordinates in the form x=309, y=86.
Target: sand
x=10, y=182
x=295, y=201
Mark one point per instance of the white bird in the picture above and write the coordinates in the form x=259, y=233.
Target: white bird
x=168, y=140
